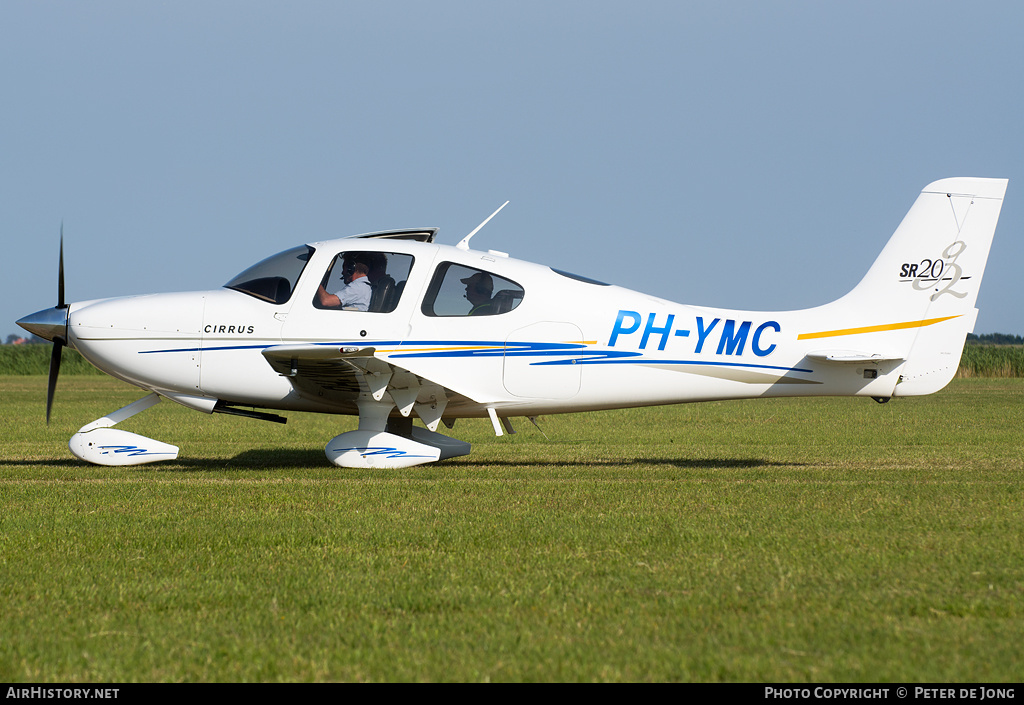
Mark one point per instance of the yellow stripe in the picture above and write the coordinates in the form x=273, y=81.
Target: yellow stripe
x=874, y=329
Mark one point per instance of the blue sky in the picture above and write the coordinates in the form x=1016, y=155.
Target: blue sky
x=752, y=155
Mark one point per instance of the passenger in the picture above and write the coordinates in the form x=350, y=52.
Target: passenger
x=382, y=285
x=479, y=288
x=378, y=264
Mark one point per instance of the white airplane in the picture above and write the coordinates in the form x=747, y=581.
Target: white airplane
x=451, y=332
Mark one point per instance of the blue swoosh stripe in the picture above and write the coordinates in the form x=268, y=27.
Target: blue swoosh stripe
x=570, y=353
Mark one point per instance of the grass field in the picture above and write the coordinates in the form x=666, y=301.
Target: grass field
x=781, y=540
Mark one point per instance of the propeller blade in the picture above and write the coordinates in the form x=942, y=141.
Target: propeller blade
x=60, y=271
x=58, y=341
x=51, y=385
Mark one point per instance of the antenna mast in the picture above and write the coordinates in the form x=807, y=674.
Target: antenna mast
x=464, y=242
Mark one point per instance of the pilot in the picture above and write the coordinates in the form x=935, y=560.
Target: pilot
x=479, y=288
x=355, y=295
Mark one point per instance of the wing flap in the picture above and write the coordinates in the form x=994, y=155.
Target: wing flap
x=286, y=353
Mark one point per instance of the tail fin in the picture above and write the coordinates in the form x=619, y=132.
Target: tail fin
x=921, y=290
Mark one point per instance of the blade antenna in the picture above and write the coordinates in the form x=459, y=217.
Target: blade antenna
x=464, y=242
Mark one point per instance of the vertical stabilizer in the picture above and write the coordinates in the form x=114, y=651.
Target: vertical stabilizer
x=921, y=291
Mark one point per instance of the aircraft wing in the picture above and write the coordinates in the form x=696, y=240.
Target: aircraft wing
x=340, y=374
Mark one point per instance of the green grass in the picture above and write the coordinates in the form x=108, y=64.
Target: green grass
x=35, y=360
x=779, y=540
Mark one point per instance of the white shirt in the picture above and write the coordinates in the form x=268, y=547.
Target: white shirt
x=355, y=296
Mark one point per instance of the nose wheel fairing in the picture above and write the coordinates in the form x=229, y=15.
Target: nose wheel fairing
x=101, y=444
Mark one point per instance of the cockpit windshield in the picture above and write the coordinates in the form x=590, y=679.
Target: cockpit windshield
x=274, y=278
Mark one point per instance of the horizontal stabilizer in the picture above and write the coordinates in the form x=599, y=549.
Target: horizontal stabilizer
x=850, y=357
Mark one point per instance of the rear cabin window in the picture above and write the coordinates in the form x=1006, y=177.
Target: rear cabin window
x=458, y=290
x=364, y=281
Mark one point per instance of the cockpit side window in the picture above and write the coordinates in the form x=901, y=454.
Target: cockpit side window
x=458, y=290
x=273, y=280
x=364, y=281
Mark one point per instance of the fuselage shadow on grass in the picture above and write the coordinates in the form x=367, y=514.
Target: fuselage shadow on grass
x=281, y=459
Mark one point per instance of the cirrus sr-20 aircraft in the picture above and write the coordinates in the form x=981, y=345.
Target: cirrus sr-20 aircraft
x=392, y=326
